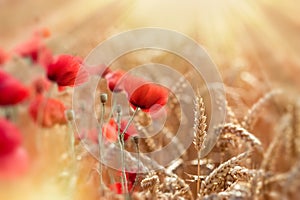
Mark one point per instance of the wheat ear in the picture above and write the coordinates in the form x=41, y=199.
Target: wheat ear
x=243, y=134
x=199, y=131
x=214, y=182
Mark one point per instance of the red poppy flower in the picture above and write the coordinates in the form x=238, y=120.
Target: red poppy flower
x=10, y=137
x=34, y=46
x=131, y=176
x=14, y=164
x=30, y=48
x=113, y=80
x=117, y=187
x=3, y=56
x=110, y=130
x=11, y=90
x=66, y=70
x=144, y=95
x=47, y=112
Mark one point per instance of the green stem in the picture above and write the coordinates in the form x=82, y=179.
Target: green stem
x=72, y=140
x=136, y=142
x=130, y=120
x=112, y=109
x=100, y=143
x=121, y=142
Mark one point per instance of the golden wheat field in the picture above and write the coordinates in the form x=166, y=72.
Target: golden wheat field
x=136, y=117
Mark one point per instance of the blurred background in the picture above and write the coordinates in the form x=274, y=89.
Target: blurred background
x=254, y=43
x=260, y=35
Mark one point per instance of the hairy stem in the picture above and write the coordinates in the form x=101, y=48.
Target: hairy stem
x=100, y=142
x=121, y=142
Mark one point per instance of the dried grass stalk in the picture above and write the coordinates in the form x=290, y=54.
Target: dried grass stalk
x=249, y=120
x=292, y=179
x=272, y=151
x=288, y=181
x=174, y=165
x=296, y=127
x=230, y=114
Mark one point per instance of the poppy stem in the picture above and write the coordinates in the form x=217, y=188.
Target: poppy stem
x=130, y=120
x=103, y=99
x=112, y=108
x=70, y=117
x=136, y=142
x=121, y=142
x=71, y=137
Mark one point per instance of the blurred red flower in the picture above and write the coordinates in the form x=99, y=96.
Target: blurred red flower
x=130, y=176
x=30, y=48
x=47, y=111
x=66, y=70
x=14, y=165
x=110, y=130
x=117, y=187
x=13, y=157
x=10, y=137
x=40, y=85
x=11, y=90
x=113, y=80
x=3, y=56
x=34, y=47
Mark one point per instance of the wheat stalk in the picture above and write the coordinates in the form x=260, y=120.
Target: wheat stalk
x=272, y=150
x=149, y=141
x=296, y=127
x=251, y=116
x=214, y=182
x=230, y=114
x=199, y=131
x=243, y=134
